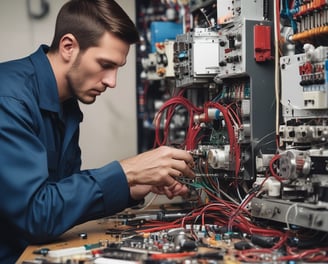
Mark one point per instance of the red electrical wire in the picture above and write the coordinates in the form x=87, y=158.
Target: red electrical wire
x=272, y=171
x=177, y=255
x=168, y=108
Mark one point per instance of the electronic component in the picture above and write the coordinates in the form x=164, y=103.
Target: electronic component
x=196, y=57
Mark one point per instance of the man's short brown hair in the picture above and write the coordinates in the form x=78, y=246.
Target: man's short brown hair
x=88, y=20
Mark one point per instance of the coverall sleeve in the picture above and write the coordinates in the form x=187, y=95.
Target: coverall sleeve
x=39, y=210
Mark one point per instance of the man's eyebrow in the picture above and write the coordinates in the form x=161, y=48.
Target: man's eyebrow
x=113, y=63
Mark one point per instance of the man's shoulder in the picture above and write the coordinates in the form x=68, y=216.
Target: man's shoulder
x=14, y=76
x=22, y=68
x=20, y=76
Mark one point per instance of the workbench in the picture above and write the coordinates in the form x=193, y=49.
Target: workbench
x=88, y=233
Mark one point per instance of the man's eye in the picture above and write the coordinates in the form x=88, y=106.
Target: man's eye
x=107, y=66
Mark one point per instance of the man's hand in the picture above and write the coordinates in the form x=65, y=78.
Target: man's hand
x=156, y=170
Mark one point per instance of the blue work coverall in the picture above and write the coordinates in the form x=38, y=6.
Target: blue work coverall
x=43, y=191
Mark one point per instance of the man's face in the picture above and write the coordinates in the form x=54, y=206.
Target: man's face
x=95, y=69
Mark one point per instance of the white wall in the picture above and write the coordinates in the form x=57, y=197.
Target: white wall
x=109, y=129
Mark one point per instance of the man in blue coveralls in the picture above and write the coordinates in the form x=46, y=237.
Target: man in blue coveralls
x=43, y=190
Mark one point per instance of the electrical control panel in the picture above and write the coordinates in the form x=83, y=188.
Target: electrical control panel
x=249, y=101
x=300, y=164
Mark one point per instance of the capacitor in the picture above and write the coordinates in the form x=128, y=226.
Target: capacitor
x=212, y=114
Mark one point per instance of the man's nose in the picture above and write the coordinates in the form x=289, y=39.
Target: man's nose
x=109, y=80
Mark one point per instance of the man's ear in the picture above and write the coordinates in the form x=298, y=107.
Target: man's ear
x=68, y=47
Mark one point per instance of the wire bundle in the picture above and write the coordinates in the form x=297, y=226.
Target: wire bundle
x=202, y=219
x=171, y=106
x=166, y=112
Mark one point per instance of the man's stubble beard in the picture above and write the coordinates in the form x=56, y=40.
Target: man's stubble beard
x=72, y=86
